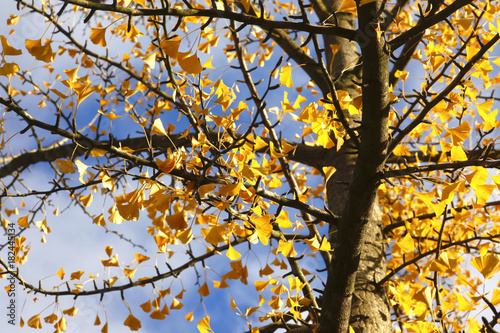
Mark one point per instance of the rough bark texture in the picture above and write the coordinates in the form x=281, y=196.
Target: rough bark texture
x=360, y=255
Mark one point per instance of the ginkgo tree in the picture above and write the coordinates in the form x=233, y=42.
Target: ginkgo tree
x=360, y=135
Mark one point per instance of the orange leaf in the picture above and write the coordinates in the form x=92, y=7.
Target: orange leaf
x=348, y=6
x=8, y=49
x=171, y=46
x=8, y=69
x=98, y=36
x=190, y=64
x=264, y=228
x=177, y=221
x=39, y=51
x=60, y=273
x=203, y=290
x=34, y=322
x=132, y=322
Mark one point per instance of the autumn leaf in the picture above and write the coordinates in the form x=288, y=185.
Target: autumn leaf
x=488, y=265
x=189, y=63
x=98, y=36
x=177, y=221
x=150, y=60
x=286, y=76
x=23, y=222
x=34, y=322
x=459, y=133
x=232, y=254
x=60, y=273
x=39, y=51
x=112, y=262
x=204, y=325
x=264, y=228
x=406, y=244
x=132, y=322
x=9, y=69
x=348, y=6
x=8, y=50
x=71, y=311
x=203, y=290
x=458, y=154
x=171, y=46
x=283, y=220
x=286, y=247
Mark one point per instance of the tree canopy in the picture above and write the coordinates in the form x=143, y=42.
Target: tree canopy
x=300, y=166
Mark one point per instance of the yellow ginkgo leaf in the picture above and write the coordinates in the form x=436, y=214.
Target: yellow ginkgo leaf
x=112, y=262
x=23, y=222
x=150, y=59
x=406, y=244
x=146, y=306
x=39, y=51
x=348, y=6
x=264, y=228
x=230, y=190
x=283, y=220
x=34, y=322
x=9, y=69
x=203, y=290
x=131, y=33
x=132, y=322
x=286, y=247
x=426, y=295
x=208, y=64
x=177, y=221
x=487, y=265
x=71, y=311
x=129, y=272
x=76, y=275
x=286, y=76
x=158, y=127
x=185, y=236
x=204, y=325
x=171, y=46
x=7, y=49
x=458, y=154
x=176, y=305
x=232, y=254
x=189, y=63
x=98, y=36
x=157, y=314
x=60, y=273
x=459, y=133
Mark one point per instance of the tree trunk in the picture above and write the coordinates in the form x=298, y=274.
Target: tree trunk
x=352, y=279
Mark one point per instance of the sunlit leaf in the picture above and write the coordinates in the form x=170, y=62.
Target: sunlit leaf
x=34, y=322
x=171, y=46
x=39, y=51
x=348, y=6
x=286, y=247
x=460, y=133
x=98, y=36
x=286, y=76
x=9, y=69
x=488, y=265
x=189, y=63
x=232, y=254
x=132, y=322
x=177, y=221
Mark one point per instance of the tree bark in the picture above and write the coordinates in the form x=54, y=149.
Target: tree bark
x=351, y=296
